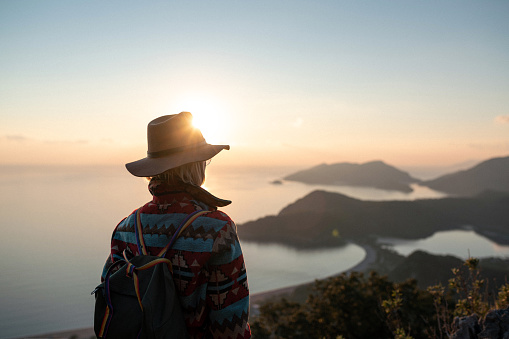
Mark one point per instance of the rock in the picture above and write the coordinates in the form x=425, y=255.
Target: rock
x=495, y=325
x=466, y=327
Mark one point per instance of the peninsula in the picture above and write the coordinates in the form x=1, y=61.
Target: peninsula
x=323, y=219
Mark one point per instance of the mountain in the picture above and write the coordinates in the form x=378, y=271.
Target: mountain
x=375, y=174
x=492, y=174
x=323, y=219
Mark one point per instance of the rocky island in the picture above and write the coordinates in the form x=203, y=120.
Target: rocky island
x=375, y=174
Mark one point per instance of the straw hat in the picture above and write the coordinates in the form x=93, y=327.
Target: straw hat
x=172, y=142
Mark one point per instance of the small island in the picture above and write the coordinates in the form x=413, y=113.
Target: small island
x=376, y=174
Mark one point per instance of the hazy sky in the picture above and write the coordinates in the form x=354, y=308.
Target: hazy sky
x=283, y=82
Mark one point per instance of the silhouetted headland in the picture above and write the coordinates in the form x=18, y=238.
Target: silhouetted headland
x=375, y=174
x=323, y=219
x=492, y=174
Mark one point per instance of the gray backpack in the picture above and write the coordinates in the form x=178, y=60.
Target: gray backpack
x=139, y=300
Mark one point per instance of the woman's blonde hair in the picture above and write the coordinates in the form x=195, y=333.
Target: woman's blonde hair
x=192, y=173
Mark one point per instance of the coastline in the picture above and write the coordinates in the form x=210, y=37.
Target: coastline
x=255, y=300
x=368, y=260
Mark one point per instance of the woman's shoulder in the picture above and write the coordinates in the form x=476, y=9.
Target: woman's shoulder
x=154, y=217
x=217, y=220
x=219, y=215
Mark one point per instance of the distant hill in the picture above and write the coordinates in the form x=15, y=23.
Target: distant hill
x=491, y=174
x=429, y=269
x=323, y=219
x=375, y=174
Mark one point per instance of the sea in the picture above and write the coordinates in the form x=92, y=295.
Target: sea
x=56, y=224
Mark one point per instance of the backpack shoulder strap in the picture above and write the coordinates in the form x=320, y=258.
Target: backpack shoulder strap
x=138, y=230
x=187, y=221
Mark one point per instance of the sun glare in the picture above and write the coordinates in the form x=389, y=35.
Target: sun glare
x=209, y=116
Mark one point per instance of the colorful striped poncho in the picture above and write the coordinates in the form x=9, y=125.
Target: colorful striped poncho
x=208, y=265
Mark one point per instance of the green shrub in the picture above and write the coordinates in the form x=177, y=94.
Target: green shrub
x=348, y=306
x=358, y=306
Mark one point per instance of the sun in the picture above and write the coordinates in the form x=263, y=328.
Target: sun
x=209, y=117
x=210, y=124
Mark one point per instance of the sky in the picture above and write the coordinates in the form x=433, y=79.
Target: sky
x=412, y=83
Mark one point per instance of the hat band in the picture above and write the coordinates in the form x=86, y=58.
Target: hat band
x=174, y=150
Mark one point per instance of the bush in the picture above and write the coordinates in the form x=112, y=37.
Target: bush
x=359, y=306
x=348, y=306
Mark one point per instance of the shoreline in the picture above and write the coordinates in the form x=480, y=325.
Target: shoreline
x=255, y=300
x=363, y=265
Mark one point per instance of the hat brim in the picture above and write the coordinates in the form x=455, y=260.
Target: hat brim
x=149, y=167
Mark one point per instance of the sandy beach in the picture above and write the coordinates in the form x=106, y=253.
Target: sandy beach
x=255, y=299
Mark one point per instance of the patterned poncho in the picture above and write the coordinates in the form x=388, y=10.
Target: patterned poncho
x=208, y=265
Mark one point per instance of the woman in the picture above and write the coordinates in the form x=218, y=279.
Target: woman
x=208, y=265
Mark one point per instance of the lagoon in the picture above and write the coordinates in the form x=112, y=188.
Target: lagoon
x=459, y=243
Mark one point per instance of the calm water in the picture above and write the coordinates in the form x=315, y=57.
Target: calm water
x=56, y=225
x=459, y=243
